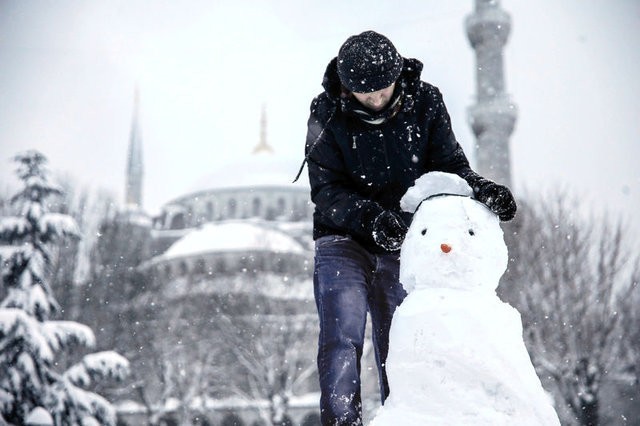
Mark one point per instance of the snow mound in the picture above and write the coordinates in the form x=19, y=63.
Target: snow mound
x=233, y=236
x=433, y=184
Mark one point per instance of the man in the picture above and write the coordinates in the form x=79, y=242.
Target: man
x=374, y=130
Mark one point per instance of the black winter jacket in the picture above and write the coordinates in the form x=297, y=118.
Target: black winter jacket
x=358, y=169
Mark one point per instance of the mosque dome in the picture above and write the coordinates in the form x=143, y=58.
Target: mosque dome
x=256, y=170
x=257, y=185
x=261, y=168
x=231, y=246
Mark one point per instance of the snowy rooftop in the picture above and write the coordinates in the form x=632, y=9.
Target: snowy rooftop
x=309, y=400
x=232, y=236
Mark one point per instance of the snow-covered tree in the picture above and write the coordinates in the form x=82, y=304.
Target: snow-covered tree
x=30, y=338
x=72, y=265
x=175, y=361
x=276, y=356
x=573, y=280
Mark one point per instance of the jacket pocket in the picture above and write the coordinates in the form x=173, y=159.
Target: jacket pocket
x=369, y=158
x=331, y=239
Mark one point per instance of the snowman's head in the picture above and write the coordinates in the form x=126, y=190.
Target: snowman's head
x=454, y=241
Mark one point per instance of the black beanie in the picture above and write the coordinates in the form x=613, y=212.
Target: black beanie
x=368, y=62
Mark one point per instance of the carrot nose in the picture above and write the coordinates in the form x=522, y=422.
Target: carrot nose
x=446, y=248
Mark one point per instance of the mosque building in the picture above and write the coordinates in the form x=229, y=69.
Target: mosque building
x=238, y=245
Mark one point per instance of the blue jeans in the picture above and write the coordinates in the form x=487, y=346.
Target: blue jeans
x=348, y=282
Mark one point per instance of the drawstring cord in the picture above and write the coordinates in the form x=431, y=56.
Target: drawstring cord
x=313, y=145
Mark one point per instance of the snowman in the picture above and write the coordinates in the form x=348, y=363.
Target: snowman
x=456, y=352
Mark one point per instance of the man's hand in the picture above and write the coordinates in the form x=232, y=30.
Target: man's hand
x=497, y=197
x=389, y=231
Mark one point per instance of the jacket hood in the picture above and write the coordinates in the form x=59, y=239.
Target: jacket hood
x=410, y=74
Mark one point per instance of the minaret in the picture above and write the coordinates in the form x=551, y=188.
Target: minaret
x=493, y=116
x=133, y=188
x=263, y=146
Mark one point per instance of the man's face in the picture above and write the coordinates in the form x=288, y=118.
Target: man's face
x=377, y=100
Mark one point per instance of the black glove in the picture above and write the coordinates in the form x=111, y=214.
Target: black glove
x=495, y=196
x=389, y=230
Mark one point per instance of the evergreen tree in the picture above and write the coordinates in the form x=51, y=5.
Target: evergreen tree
x=29, y=337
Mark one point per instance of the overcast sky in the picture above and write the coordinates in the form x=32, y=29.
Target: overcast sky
x=204, y=68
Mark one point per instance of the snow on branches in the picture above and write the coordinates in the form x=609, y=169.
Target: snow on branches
x=100, y=365
x=32, y=236
x=29, y=340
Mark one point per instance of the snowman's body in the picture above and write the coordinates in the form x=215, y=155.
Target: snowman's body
x=456, y=353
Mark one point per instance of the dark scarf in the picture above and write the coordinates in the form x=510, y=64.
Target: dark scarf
x=350, y=105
